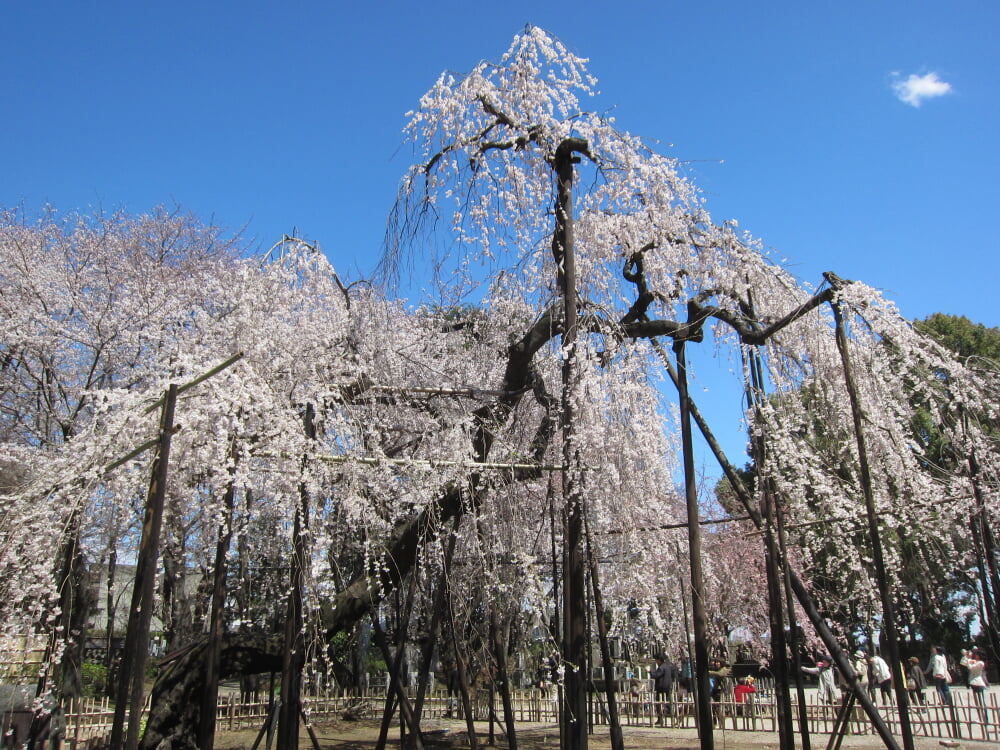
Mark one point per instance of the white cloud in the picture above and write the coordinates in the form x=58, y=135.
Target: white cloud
x=915, y=89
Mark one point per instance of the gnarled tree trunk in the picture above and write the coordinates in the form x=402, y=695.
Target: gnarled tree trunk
x=175, y=712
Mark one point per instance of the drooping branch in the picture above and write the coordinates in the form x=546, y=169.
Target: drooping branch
x=651, y=329
x=520, y=376
x=635, y=273
x=531, y=134
x=748, y=332
x=636, y=323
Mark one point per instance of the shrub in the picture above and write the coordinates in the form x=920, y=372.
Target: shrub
x=95, y=679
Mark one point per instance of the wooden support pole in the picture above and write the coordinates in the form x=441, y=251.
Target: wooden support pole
x=982, y=534
x=798, y=588
x=841, y=724
x=574, y=584
x=779, y=644
x=463, y=673
x=309, y=730
x=293, y=659
x=793, y=630
x=267, y=728
x=217, y=625
x=687, y=663
x=436, y=614
x=198, y=380
x=614, y=722
x=878, y=558
x=395, y=686
x=132, y=671
x=772, y=558
x=556, y=628
x=698, y=614
x=499, y=643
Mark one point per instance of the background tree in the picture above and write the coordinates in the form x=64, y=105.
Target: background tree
x=974, y=574
x=84, y=300
x=922, y=513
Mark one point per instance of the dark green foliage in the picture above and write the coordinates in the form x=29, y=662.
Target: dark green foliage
x=726, y=496
x=94, y=677
x=962, y=336
x=941, y=606
x=976, y=345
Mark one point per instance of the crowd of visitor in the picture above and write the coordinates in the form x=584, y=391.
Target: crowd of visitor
x=734, y=694
x=871, y=670
x=874, y=676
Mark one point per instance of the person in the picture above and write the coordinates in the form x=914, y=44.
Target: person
x=881, y=677
x=634, y=692
x=718, y=678
x=553, y=669
x=663, y=676
x=973, y=661
x=826, y=683
x=915, y=682
x=454, y=689
x=551, y=674
x=860, y=665
x=937, y=668
x=685, y=679
x=744, y=691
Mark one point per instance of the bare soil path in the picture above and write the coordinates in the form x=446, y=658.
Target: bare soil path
x=440, y=735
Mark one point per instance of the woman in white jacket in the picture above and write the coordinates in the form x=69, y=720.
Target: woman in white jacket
x=973, y=661
x=827, y=684
x=938, y=670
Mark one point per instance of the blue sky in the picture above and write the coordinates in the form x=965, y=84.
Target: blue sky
x=288, y=116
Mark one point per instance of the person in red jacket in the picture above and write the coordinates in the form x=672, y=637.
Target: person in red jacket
x=744, y=691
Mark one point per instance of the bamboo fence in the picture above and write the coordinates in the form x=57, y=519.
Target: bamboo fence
x=88, y=722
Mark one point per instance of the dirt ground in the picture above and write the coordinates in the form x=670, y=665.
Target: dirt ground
x=443, y=734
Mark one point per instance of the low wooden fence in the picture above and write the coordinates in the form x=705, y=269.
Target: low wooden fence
x=964, y=719
x=89, y=722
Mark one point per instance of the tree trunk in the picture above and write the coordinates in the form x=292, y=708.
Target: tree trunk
x=177, y=709
x=74, y=602
x=177, y=629
x=109, y=659
x=175, y=712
